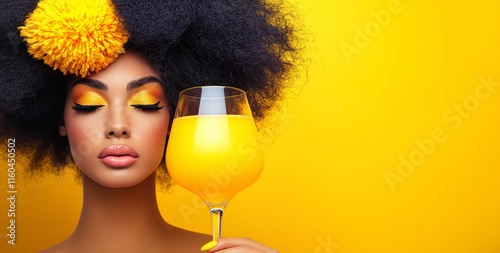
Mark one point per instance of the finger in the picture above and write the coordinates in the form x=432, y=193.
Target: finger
x=225, y=243
x=239, y=249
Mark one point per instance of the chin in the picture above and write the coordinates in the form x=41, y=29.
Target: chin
x=119, y=178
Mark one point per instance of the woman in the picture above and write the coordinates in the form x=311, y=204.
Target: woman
x=93, y=83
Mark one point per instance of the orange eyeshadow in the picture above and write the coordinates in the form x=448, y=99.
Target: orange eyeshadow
x=88, y=98
x=146, y=95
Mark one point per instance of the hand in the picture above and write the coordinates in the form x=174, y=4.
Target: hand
x=238, y=245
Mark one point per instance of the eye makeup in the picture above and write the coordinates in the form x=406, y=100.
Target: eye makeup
x=147, y=98
x=86, y=99
x=143, y=97
x=90, y=98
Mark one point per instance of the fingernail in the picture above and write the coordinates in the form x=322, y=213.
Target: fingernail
x=209, y=245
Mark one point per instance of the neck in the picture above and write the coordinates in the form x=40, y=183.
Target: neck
x=117, y=216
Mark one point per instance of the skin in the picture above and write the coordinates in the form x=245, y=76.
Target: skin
x=120, y=211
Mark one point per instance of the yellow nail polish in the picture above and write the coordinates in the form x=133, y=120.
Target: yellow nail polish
x=209, y=245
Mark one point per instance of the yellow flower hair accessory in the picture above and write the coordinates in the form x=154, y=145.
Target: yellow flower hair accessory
x=75, y=36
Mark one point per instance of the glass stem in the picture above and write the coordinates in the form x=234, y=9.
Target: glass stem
x=216, y=214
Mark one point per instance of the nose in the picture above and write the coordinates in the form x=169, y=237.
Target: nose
x=118, y=125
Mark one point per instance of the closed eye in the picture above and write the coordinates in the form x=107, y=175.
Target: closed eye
x=151, y=107
x=86, y=108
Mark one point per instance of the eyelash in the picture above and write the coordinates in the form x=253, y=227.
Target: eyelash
x=90, y=108
x=153, y=107
x=86, y=108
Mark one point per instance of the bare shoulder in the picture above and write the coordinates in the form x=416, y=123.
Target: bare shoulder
x=172, y=238
x=58, y=248
x=50, y=250
x=188, y=241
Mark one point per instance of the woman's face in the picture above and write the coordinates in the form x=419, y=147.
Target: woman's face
x=117, y=121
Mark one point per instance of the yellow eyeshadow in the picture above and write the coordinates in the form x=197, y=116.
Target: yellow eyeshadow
x=144, y=98
x=90, y=98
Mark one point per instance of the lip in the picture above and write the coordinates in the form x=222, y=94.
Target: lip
x=118, y=156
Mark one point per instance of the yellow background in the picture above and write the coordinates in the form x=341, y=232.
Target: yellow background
x=324, y=188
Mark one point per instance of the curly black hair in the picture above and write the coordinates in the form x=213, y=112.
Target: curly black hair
x=250, y=44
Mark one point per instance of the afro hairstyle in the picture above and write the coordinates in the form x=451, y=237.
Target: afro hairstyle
x=249, y=44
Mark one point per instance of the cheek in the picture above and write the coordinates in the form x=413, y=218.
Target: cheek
x=83, y=135
x=153, y=130
x=151, y=138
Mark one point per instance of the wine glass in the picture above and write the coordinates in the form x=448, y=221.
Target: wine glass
x=211, y=149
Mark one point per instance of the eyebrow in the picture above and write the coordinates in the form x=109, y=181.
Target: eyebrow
x=134, y=84
x=92, y=83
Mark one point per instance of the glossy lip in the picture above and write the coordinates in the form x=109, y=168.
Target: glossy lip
x=118, y=156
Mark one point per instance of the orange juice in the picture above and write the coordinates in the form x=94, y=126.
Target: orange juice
x=214, y=156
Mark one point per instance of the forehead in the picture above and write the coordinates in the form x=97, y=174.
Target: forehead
x=127, y=67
